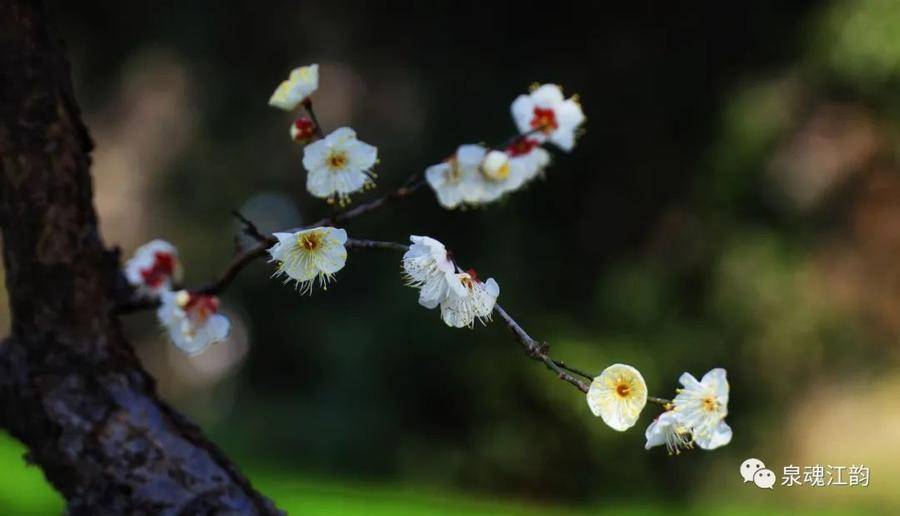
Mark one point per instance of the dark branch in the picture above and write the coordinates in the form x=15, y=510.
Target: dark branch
x=536, y=350
x=375, y=244
x=411, y=186
x=250, y=228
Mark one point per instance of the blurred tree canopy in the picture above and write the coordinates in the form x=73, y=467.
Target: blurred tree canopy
x=733, y=203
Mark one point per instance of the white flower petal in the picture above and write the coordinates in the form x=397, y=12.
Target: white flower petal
x=146, y=265
x=362, y=155
x=310, y=255
x=547, y=96
x=301, y=83
x=338, y=164
x=522, y=111
x=340, y=136
x=720, y=436
x=618, y=395
x=470, y=155
x=468, y=300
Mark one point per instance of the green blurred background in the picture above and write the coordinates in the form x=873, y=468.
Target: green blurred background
x=735, y=202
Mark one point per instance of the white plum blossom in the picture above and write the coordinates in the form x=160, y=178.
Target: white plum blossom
x=457, y=180
x=339, y=165
x=618, y=395
x=702, y=406
x=544, y=114
x=669, y=430
x=427, y=267
x=302, y=83
x=468, y=299
x=507, y=171
x=310, y=255
x=527, y=160
x=192, y=320
x=154, y=267
x=475, y=175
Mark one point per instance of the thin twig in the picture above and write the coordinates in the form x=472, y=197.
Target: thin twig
x=375, y=244
x=573, y=370
x=307, y=104
x=240, y=261
x=537, y=350
x=409, y=188
x=250, y=228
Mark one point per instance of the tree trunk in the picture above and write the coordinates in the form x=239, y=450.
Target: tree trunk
x=71, y=387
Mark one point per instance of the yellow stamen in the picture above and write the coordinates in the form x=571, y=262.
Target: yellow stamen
x=310, y=241
x=336, y=160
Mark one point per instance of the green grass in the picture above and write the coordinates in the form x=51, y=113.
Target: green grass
x=23, y=491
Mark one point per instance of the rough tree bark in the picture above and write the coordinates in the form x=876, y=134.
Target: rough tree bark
x=71, y=387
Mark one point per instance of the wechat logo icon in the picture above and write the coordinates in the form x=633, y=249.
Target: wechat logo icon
x=753, y=470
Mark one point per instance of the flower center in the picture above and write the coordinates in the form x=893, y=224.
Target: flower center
x=500, y=173
x=310, y=241
x=544, y=120
x=162, y=268
x=336, y=160
x=469, y=279
x=710, y=404
x=454, y=174
x=623, y=389
x=199, y=306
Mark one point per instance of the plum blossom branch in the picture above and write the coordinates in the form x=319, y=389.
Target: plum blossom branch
x=534, y=349
x=338, y=165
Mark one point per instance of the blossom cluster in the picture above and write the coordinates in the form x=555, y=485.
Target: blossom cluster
x=695, y=416
x=338, y=164
x=476, y=175
x=461, y=295
x=191, y=319
x=312, y=256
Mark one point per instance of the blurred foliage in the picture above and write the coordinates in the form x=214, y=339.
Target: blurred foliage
x=731, y=204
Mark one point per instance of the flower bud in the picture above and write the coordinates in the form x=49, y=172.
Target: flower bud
x=302, y=130
x=496, y=165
